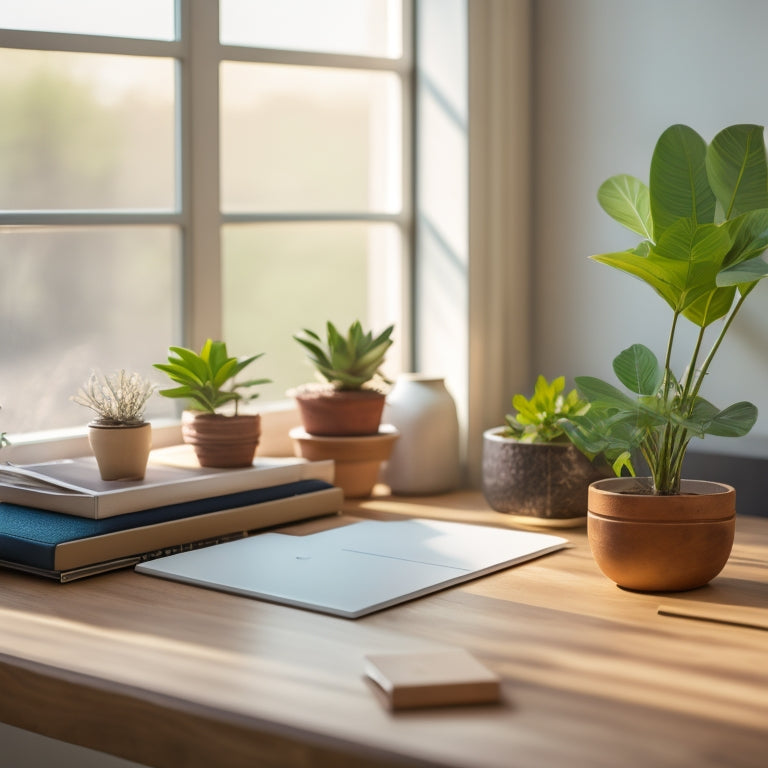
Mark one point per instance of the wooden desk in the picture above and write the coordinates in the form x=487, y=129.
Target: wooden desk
x=171, y=675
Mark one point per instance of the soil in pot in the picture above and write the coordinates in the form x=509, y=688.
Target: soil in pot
x=653, y=543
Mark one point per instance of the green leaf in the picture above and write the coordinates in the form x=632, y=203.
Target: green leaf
x=638, y=370
x=678, y=187
x=734, y=421
x=710, y=307
x=736, y=168
x=749, y=271
x=627, y=200
x=597, y=391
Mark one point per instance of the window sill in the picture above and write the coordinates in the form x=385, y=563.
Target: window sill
x=277, y=419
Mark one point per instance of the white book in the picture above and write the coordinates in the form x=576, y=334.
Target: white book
x=74, y=486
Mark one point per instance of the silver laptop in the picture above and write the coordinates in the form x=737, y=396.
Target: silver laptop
x=355, y=569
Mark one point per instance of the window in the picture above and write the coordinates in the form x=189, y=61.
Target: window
x=171, y=171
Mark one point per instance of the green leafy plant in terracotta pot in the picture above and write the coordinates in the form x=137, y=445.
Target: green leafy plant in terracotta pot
x=531, y=469
x=119, y=437
x=703, y=220
x=341, y=415
x=207, y=380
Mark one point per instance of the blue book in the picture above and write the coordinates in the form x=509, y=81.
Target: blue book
x=67, y=547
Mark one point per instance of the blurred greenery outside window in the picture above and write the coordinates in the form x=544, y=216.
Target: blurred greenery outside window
x=122, y=232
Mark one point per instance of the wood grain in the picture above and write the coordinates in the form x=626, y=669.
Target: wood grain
x=168, y=674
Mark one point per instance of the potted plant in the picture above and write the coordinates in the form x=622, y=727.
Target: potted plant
x=341, y=415
x=119, y=437
x=703, y=220
x=350, y=399
x=207, y=380
x=531, y=469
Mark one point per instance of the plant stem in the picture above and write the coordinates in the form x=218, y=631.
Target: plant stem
x=718, y=341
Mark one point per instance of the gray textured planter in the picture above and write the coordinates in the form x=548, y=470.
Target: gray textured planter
x=543, y=483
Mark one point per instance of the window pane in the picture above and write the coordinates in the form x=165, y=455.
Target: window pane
x=86, y=131
x=73, y=300
x=280, y=278
x=305, y=139
x=364, y=27
x=153, y=19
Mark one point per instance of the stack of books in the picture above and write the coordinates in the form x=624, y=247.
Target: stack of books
x=59, y=519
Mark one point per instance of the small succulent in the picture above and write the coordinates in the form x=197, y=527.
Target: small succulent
x=203, y=376
x=117, y=399
x=347, y=362
x=538, y=419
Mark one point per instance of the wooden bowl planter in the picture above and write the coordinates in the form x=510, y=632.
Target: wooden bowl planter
x=661, y=543
x=538, y=483
x=121, y=450
x=222, y=441
x=357, y=458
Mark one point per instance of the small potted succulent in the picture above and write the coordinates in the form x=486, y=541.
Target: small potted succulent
x=703, y=220
x=341, y=415
x=119, y=437
x=531, y=469
x=350, y=400
x=212, y=424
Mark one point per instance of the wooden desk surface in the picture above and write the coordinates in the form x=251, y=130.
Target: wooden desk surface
x=171, y=675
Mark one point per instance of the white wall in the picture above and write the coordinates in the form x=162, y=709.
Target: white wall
x=609, y=77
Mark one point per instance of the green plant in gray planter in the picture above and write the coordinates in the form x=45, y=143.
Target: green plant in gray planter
x=530, y=467
x=703, y=223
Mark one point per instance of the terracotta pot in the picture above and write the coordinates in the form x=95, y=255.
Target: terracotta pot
x=357, y=459
x=222, y=441
x=538, y=483
x=121, y=451
x=661, y=543
x=330, y=412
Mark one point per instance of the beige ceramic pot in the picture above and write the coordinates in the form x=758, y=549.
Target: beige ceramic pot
x=121, y=451
x=357, y=459
x=661, y=543
x=222, y=441
x=330, y=412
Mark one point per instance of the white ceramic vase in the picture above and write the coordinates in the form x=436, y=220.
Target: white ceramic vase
x=425, y=460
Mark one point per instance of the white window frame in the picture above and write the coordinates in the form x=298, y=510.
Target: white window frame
x=197, y=213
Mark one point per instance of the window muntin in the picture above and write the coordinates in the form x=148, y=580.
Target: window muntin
x=86, y=131
x=362, y=27
x=309, y=139
x=150, y=19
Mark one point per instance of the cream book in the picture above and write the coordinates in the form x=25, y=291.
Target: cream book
x=433, y=678
x=74, y=486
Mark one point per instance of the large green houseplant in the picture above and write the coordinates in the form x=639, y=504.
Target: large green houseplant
x=703, y=220
x=208, y=381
